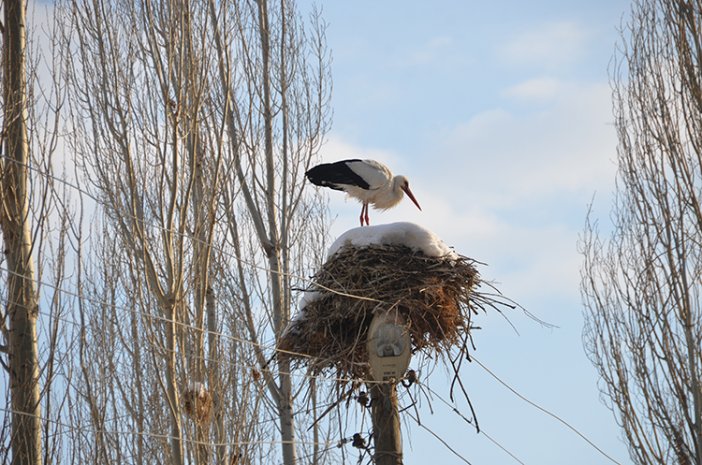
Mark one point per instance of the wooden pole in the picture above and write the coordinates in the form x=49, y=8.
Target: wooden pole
x=386, y=425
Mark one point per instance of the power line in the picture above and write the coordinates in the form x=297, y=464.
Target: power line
x=194, y=239
x=74, y=428
x=162, y=319
x=504, y=449
x=455, y=410
x=205, y=358
x=306, y=375
x=542, y=409
x=439, y=438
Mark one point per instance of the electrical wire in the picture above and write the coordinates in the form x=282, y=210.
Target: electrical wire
x=162, y=436
x=542, y=409
x=185, y=235
x=439, y=438
x=191, y=327
x=455, y=410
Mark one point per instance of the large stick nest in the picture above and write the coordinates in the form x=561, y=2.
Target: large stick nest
x=436, y=295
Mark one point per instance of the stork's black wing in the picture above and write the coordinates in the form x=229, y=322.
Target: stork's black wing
x=335, y=175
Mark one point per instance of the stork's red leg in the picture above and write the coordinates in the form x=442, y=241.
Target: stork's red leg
x=364, y=214
x=367, y=219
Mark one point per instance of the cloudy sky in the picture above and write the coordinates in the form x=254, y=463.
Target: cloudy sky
x=500, y=115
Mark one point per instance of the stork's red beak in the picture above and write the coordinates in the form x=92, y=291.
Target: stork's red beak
x=411, y=196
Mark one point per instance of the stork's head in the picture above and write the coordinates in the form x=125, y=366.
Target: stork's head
x=404, y=185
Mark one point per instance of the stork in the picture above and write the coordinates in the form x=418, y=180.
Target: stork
x=369, y=181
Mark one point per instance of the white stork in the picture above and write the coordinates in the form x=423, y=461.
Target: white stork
x=369, y=181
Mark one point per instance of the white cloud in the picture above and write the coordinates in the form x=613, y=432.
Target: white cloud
x=551, y=45
x=429, y=52
x=525, y=170
x=537, y=89
x=509, y=157
x=544, y=263
x=527, y=260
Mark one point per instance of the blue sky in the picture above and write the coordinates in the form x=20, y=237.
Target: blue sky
x=500, y=115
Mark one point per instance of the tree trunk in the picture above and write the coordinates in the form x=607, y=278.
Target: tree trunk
x=172, y=384
x=281, y=309
x=285, y=410
x=22, y=303
x=214, y=382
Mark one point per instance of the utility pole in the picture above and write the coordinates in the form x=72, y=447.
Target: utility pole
x=388, y=356
x=386, y=424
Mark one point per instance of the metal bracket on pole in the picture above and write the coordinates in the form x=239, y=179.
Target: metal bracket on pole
x=388, y=355
x=388, y=346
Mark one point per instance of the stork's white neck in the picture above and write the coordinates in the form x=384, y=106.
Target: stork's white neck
x=391, y=194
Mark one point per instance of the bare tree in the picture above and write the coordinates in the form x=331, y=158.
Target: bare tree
x=193, y=124
x=641, y=286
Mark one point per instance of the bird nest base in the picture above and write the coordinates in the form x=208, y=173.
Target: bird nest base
x=437, y=296
x=197, y=402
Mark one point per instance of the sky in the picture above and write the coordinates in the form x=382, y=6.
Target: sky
x=500, y=115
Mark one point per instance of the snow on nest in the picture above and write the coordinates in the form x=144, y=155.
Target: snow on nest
x=409, y=234
x=307, y=298
x=403, y=233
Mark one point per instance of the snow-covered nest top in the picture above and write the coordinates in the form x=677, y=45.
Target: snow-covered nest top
x=399, y=267
x=409, y=235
